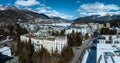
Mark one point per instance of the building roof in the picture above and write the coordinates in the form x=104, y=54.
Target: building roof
x=4, y=48
x=52, y=38
x=108, y=54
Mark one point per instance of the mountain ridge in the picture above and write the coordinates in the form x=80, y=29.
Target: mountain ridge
x=24, y=15
x=115, y=18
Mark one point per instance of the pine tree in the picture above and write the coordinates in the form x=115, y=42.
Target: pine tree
x=66, y=54
x=86, y=36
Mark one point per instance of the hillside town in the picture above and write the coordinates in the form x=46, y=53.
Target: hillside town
x=84, y=41
x=48, y=36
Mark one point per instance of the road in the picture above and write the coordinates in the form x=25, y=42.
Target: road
x=80, y=53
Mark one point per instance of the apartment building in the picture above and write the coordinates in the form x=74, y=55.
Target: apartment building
x=49, y=42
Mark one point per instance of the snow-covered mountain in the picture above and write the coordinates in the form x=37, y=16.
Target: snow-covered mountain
x=106, y=17
x=102, y=16
x=113, y=18
x=13, y=14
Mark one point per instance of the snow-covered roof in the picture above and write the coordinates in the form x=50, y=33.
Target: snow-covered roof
x=5, y=51
x=103, y=48
x=4, y=48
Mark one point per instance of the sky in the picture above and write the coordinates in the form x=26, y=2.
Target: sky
x=67, y=9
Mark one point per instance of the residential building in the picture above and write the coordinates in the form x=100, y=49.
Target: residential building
x=94, y=26
x=118, y=30
x=51, y=43
x=108, y=25
x=100, y=26
x=83, y=30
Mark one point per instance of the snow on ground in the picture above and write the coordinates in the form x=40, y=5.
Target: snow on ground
x=102, y=48
x=60, y=24
x=85, y=56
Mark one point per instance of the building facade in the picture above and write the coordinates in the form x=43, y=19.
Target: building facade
x=51, y=43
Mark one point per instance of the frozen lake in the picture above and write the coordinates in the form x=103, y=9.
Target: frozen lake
x=59, y=24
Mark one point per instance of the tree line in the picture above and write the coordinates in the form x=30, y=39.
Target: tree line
x=57, y=33
x=74, y=38
x=107, y=31
x=12, y=30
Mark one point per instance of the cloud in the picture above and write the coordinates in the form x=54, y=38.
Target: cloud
x=97, y=8
x=26, y=2
x=58, y=14
x=53, y=13
x=2, y=7
x=42, y=8
x=78, y=1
